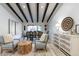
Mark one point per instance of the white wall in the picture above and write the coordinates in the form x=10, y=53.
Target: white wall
x=4, y=16
x=18, y=28
x=67, y=9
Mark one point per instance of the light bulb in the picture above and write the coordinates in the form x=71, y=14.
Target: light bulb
x=24, y=6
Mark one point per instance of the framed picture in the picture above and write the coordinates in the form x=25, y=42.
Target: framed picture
x=77, y=28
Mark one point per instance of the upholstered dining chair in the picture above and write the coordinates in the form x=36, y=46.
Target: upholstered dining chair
x=7, y=42
x=42, y=42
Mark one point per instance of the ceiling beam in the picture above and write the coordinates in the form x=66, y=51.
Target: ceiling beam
x=18, y=5
x=29, y=11
x=37, y=12
x=52, y=11
x=46, y=7
x=13, y=11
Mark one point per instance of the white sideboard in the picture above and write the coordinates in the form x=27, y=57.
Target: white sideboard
x=69, y=44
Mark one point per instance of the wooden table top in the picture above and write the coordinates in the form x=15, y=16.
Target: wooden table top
x=21, y=43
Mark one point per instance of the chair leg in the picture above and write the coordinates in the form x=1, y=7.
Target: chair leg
x=35, y=50
x=13, y=51
x=1, y=50
x=45, y=48
x=35, y=47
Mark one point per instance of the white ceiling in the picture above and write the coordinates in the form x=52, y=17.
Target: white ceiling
x=41, y=10
x=34, y=11
x=33, y=7
x=50, y=8
x=25, y=10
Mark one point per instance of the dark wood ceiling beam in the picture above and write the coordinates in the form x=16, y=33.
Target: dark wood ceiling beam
x=29, y=11
x=46, y=7
x=52, y=11
x=13, y=11
x=18, y=5
x=37, y=12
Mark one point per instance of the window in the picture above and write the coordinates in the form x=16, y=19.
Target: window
x=34, y=28
x=12, y=27
x=39, y=28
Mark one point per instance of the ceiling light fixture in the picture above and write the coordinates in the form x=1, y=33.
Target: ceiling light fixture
x=42, y=6
x=24, y=6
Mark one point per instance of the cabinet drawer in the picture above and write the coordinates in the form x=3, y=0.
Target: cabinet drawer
x=65, y=37
x=56, y=38
x=56, y=41
x=65, y=48
x=65, y=42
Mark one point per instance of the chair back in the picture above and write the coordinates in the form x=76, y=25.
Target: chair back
x=42, y=37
